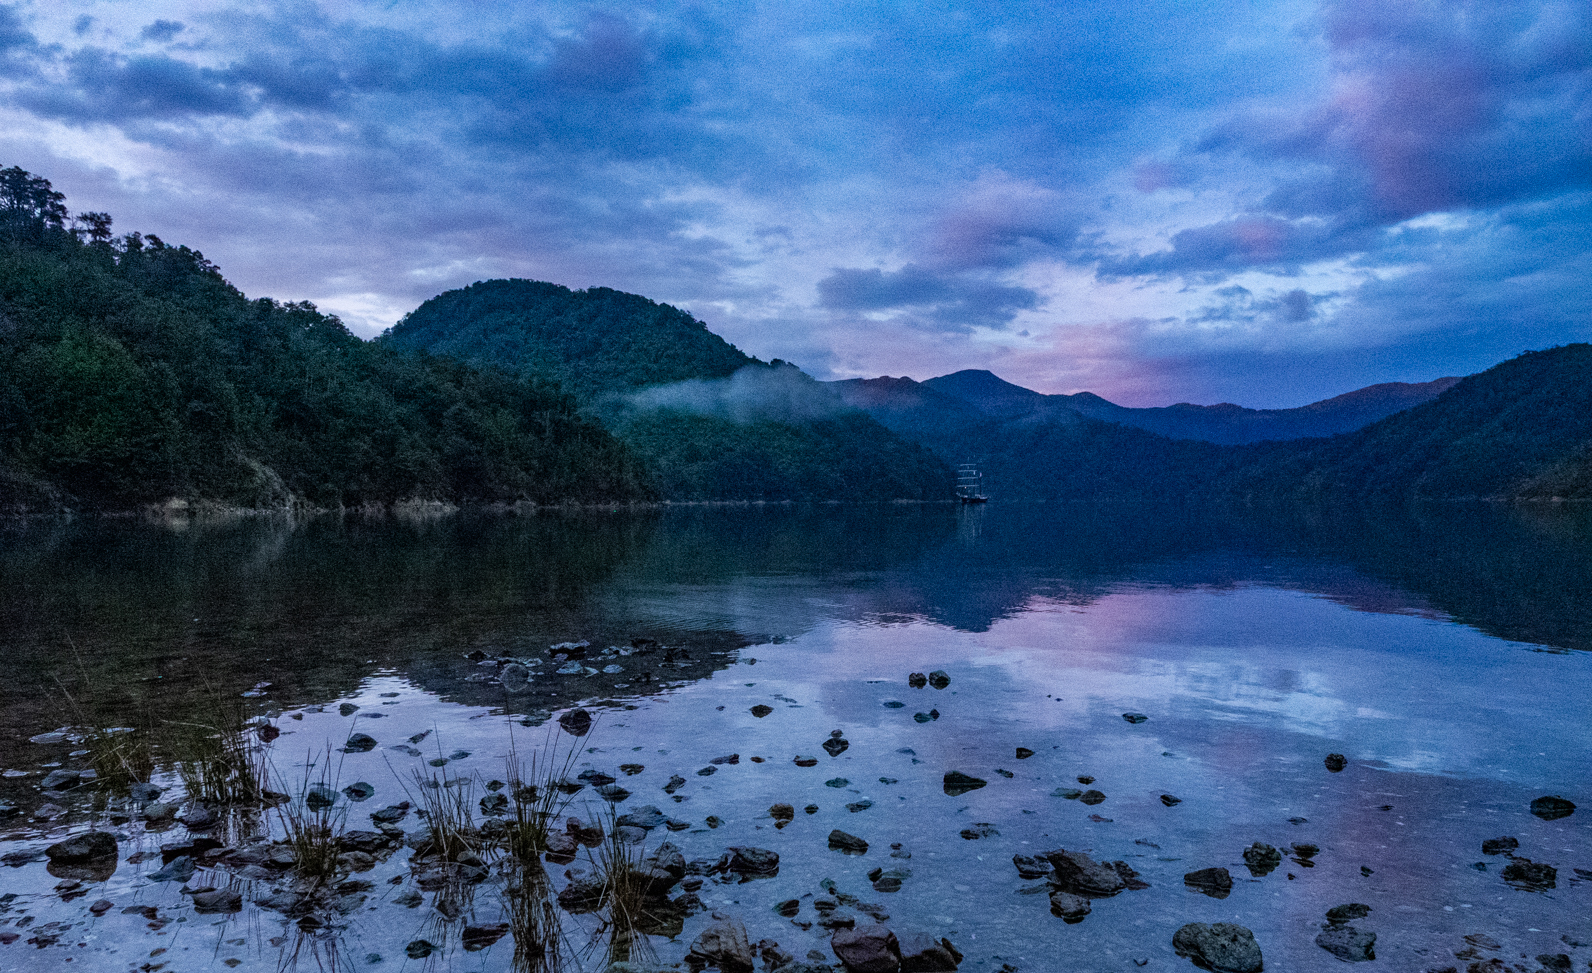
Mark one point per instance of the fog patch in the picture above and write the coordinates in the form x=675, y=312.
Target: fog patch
x=757, y=393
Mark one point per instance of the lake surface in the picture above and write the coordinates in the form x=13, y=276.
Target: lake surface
x=1443, y=651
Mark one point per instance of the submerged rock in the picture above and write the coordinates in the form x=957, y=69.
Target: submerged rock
x=1029, y=866
x=217, y=900
x=1499, y=846
x=576, y=722
x=1347, y=943
x=1221, y=947
x=1348, y=912
x=1529, y=875
x=1135, y=718
x=1552, y=808
x=359, y=743
x=837, y=744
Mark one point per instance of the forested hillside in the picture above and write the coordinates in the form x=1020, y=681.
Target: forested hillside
x=591, y=342
x=131, y=372
x=621, y=354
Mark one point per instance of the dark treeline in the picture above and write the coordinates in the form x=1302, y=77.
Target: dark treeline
x=132, y=372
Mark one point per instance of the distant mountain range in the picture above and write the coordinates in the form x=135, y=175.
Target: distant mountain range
x=972, y=397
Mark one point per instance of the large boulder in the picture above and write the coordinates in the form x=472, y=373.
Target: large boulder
x=1221, y=947
x=867, y=949
x=722, y=946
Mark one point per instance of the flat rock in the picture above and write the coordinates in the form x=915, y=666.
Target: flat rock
x=1221, y=947
x=1552, y=808
x=1029, y=866
x=86, y=847
x=217, y=900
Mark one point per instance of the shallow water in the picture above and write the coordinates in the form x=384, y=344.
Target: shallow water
x=1441, y=651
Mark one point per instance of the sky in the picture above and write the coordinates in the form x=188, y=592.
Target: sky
x=1228, y=200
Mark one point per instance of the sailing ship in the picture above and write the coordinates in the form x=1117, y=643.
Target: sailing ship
x=970, y=484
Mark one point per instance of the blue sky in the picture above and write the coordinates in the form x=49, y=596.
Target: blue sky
x=1263, y=203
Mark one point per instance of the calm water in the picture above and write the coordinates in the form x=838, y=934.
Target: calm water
x=1443, y=651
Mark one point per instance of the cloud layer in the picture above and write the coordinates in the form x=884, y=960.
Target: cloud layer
x=1263, y=203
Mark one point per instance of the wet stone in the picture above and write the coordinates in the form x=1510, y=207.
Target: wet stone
x=848, y=844
x=217, y=900
x=1023, y=753
x=360, y=791
x=939, y=679
x=359, y=743
x=1171, y=801
x=867, y=949
x=982, y=829
x=836, y=744
x=1552, y=808
x=1029, y=866
x=957, y=783
x=761, y=710
x=1068, y=906
x=1262, y=859
x=1135, y=718
x=1348, y=943
x=917, y=680
x=1092, y=797
x=806, y=761
x=1214, y=882
x=722, y=946
x=1499, y=846
x=1336, y=762
x=86, y=847
x=1221, y=947
x=1526, y=874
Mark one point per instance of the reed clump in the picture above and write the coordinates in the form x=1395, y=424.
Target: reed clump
x=218, y=762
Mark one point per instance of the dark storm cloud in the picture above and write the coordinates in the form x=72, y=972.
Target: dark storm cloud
x=951, y=301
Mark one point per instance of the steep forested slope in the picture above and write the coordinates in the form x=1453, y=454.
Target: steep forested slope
x=132, y=372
